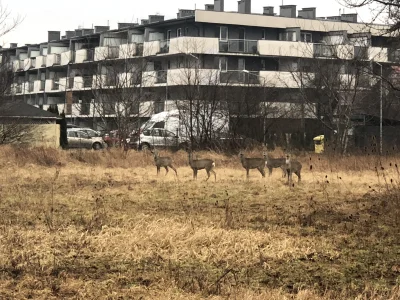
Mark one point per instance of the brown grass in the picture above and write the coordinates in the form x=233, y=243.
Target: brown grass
x=102, y=225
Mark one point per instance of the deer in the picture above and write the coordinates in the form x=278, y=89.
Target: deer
x=200, y=164
x=163, y=162
x=272, y=163
x=252, y=163
x=292, y=166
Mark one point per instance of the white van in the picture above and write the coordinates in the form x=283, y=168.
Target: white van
x=169, y=129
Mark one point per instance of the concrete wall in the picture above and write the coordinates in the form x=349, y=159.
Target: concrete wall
x=41, y=135
x=194, y=45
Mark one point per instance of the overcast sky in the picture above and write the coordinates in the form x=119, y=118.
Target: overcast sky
x=43, y=15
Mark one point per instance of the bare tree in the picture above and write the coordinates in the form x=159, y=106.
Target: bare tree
x=11, y=129
x=117, y=83
x=333, y=88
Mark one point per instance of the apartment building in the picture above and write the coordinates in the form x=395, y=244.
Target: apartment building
x=240, y=52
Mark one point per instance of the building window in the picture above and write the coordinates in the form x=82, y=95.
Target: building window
x=168, y=35
x=223, y=33
x=263, y=35
x=186, y=31
x=288, y=36
x=306, y=37
x=223, y=64
x=179, y=32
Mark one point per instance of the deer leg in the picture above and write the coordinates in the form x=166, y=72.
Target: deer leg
x=166, y=169
x=194, y=174
x=215, y=174
x=269, y=171
x=176, y=173
x=247, y=173
x=208, y=174
x=283, y=172
x=298, y=175
x=261, y=171
x=158, y=170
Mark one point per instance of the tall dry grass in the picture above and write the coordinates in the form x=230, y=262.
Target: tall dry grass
x=102, y=225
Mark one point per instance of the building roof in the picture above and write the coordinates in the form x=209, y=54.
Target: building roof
x=23, y=110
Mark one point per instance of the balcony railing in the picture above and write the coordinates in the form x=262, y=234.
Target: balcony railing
x=238, y=46
x=70, y=82
x=89, y=55
x=87, y=81
x=394, y=55
x=44, y=61
x=42, y=85
x=237, y=76
x=30, y=86
x=18, y=89
x=21, y=65
x=361, y=53
x=55, y=86
x=321, y=50
x=136, y=79
x=164, y=47
x=113, y=52
x=139, y=49
x=161, y=76
x=57, y=59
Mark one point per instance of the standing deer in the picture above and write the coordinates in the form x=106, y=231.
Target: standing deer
x=272, y=163
x=292, y=166
x=252, y=163
x=163, y=162
x=200, y=164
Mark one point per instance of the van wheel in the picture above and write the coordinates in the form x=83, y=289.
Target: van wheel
x=183, y=146
x=96, y=146
x=145, y=147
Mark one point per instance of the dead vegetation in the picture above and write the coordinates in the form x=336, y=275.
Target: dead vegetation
x=95, y=225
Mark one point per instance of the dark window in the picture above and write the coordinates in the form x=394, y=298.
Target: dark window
x=159, y=124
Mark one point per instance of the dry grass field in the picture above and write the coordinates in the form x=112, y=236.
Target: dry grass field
x=101, y=225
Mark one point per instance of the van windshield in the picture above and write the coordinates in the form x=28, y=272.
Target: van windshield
x=147, y=125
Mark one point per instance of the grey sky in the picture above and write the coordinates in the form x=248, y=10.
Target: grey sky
x=43, y=15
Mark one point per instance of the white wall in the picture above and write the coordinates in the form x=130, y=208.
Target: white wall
x=283, y=48
x=194, y=45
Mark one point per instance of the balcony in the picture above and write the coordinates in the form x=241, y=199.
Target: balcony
x=334, y=51
x=39, y=86
x=84, y=55
x=394, y=55
x=285, y=48
x=378, y=54
x=280, y=79
x=187, y=76
x=164, y=47
x=31, y=85
x=361, y=53
x=161, y=76
x=18, y=88
x=321, y=50
x=82, y=82
x=41, y=62
x=151, y=48
x=29, y=63
x=240, y=77
x=56, y=85
x=107, y=52
x=130, y=50
x=66, y=58
x=195, y=45
x=238, y=46
x=18, y=65
x=53, y=60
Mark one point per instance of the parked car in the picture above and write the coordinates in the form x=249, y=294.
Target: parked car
x=81, y=139
x=159, y=138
